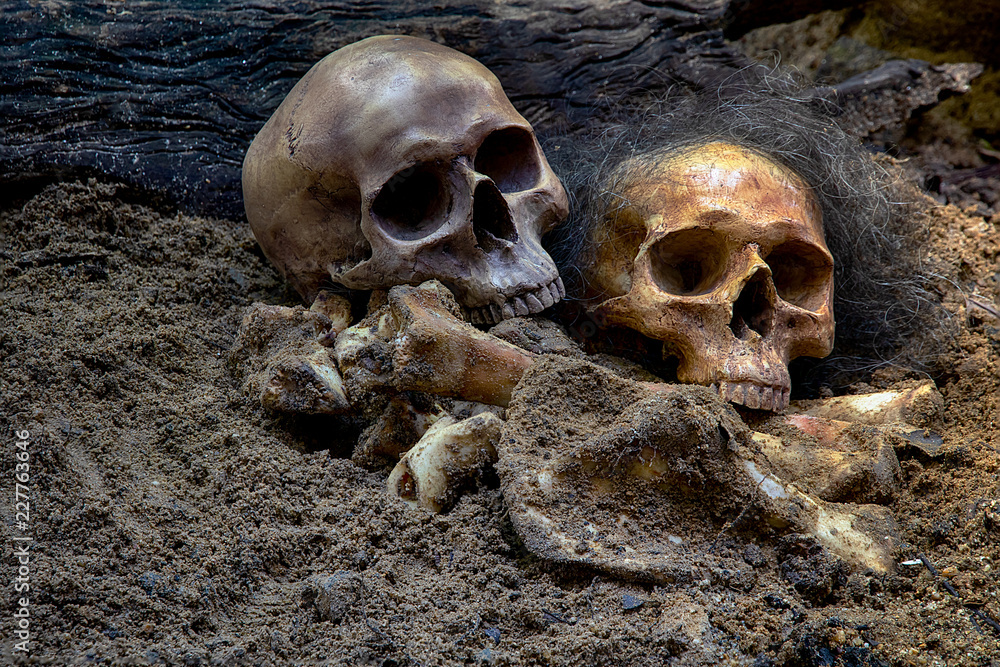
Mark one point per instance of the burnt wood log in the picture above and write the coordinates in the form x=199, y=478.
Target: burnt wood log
x=167, y=94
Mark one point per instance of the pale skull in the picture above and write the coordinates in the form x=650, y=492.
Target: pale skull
x=396, y=160
x=718, y=252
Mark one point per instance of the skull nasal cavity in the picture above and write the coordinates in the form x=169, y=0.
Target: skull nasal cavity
x=491, y=220
x=753, y=310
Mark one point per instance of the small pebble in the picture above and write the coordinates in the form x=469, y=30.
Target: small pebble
x=493, y=634
x=630, y=602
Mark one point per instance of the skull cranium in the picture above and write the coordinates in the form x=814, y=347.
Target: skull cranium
x=718, y=252
x=396, y=160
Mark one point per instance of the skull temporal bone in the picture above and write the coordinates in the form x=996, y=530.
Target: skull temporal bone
x=718, y=252
x=396, y=160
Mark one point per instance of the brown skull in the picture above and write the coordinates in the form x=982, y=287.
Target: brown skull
x=396, y=160
x=718, y=252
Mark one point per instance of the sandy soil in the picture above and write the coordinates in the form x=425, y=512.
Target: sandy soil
x=177, y=522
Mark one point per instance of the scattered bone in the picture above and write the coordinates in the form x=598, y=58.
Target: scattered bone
x=834, y=460
x=921, y=405
x=418, y=344
x=601, y=471
x=440, y=354
x=864, y=535
x=445, y=459
x=265, y=329
x=335, y=307
x=364, y=357
x=278, y=357
x=403, y=421
x=304, y=380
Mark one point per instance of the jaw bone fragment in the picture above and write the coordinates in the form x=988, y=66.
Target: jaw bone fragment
x=449, y=455
x=601, y=471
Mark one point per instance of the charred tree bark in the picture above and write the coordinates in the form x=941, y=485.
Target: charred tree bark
x=167, y=95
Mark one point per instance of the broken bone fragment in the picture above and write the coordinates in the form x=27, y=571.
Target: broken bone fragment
x=833, y=460
x=601, y=471
x=404, y=419
x=304, y=381
x=863, y=535
x=418, y=343
x=718, y=252
x=448, y=456
x=335, y=307
x=277, y=356
x=920, y=405
x=397, y=160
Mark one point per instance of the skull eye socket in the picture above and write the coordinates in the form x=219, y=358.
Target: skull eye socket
x=688, y=262
x=412, y=204
x=801, y=273
x=509, y=158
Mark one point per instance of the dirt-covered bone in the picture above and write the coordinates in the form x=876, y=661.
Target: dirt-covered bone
x=599, y=470
x=448, y=456
x=334, y=307
x=920, y=405
x=396, y=160
x=719, y=253
x=278, y=356
x=835, y=461
x=417, y=343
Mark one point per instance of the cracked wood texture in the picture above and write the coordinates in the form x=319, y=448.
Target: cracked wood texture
x=167, y=94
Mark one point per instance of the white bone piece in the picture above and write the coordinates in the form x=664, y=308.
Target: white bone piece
x=444, y=460
x=335, y=307
x=919, y=405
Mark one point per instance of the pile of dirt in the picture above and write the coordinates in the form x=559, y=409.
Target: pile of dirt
x=175, y=522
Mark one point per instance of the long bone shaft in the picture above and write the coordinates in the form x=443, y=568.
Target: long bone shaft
x=434, y=351
x=431, y=350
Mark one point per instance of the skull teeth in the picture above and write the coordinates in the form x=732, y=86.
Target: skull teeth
x=526, y=303
x=534, y=305
x=756, y=396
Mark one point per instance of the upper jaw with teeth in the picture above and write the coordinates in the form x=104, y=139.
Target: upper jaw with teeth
x=753, y=395
x=525, y=303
